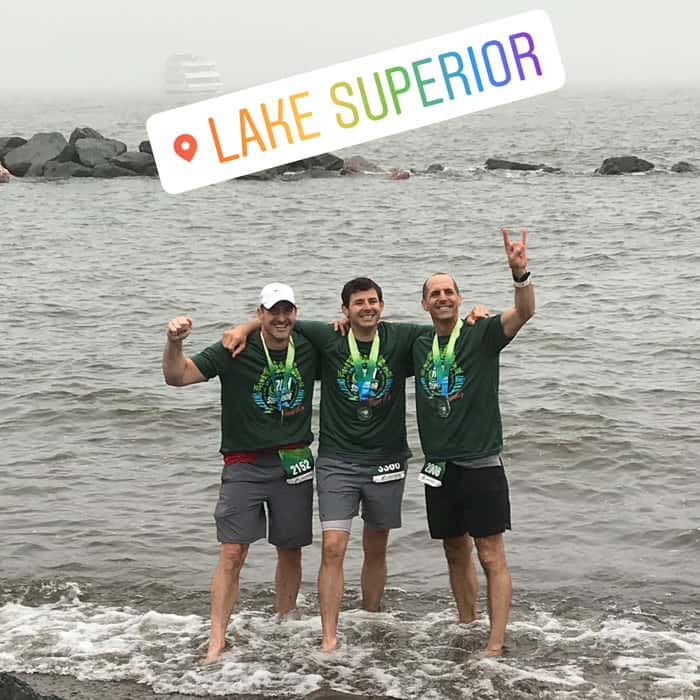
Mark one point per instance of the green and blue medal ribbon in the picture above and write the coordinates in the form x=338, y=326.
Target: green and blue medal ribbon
x=443, y=362
x=280, y=387
x=364, y=371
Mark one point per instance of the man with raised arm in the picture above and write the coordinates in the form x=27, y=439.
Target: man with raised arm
x=363, y=449
x=456, y=373
x=266, y=396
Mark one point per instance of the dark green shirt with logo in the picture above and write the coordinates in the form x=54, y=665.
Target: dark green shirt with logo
x=250, y=417
x=342, y=433
x=472, y=429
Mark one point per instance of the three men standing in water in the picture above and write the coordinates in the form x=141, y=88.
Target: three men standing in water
x=363, y=449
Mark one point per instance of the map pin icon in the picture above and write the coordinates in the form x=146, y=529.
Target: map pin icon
x=185, y=146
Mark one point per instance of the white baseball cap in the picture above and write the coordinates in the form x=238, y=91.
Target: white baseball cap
x=272, y=294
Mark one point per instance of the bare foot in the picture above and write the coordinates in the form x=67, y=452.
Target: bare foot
x=293, y=614
x=491, y=651
x=214, y=652
x=330, y=646
x=211, y=658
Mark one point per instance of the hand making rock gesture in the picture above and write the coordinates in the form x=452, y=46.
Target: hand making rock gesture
x=516, y=252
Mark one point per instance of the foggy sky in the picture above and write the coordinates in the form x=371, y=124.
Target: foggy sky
x=86, y=45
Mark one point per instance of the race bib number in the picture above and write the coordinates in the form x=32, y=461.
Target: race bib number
x=298, y=464
x=389, y=472
x=432, y=474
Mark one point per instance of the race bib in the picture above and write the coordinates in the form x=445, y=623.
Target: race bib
x=388, y=472
x=298, y=464
x=432, y=473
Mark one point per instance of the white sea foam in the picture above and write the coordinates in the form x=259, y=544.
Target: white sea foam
x=430, y=657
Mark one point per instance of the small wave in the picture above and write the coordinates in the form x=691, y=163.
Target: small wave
x=409, y=652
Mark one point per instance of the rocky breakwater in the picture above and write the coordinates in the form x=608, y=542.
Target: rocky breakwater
x=86, y=153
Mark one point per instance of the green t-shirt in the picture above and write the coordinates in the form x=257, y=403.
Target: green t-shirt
x=343, y=433
x=473, y=427
x=250, y=419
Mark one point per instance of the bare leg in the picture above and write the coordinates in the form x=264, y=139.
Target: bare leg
x=224, y=594
x=458, y=552
x=492, y=556
x=331, y=584
x=374, y=543
x=287, y=578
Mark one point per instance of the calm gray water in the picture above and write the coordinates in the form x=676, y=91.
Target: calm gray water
x=108, y=478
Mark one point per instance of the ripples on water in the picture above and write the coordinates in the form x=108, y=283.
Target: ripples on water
x=108, y=477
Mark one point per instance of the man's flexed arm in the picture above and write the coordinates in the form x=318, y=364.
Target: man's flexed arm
x=513, y=319
x=179, y=370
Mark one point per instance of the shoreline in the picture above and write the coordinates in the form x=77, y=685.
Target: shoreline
x=42, y=686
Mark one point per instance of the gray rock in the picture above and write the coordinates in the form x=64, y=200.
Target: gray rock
x=500, y=164
x=58, y=171
x=39, y=150
x=683, y=166
x=12, y=688
x=134, y=160
x=93, y=152
x=111, y=170
x=8, y=143
x=84, y=132
x=35, y=170
x=435, y=168
x=311, y=166
x=358, y=164
x=624, y=164
x=145, y=147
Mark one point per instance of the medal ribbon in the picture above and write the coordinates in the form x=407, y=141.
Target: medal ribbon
x=443, y=361
x=364, y=375
x=280, y=388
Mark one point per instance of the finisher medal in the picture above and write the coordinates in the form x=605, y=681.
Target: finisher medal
x=364, y=374
x=364, y=412
x=443, y=406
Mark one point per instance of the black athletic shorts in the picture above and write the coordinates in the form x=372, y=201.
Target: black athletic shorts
x=473, y=501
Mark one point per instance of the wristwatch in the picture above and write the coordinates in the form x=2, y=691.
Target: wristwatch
x=522, y=278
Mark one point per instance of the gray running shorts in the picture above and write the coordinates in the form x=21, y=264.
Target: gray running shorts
x=342, y=485
x=255, y=499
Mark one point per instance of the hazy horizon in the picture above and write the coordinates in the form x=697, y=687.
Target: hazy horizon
x=83, y=47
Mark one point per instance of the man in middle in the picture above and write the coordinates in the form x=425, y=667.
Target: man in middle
x=363, y=449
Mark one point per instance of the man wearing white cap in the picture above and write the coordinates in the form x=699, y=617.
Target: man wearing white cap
x=266, y=483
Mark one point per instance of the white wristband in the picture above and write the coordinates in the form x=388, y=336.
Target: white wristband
x=520, y=285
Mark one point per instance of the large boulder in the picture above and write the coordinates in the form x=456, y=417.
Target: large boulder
x=137, y=161
x=39, y=150
x=93, y=152
x=326, y=162
x=8, y=143
x=683, y=166
x=621, y=165
x=58, y=171
x=84, y=132
x=500, y=164
x=111, y=170
x=358, y=164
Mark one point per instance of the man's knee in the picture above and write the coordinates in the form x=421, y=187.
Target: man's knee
x=333, y=548
x=374, y=543
x=492, y=553
x=290, y=557
x=457, y=549
x=232, y=556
